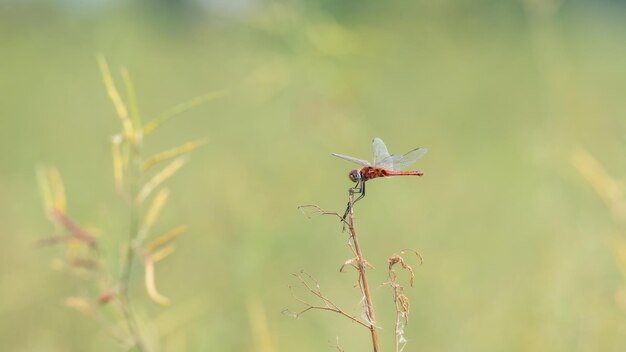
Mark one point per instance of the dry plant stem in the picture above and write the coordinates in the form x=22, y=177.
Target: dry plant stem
x=361, y=266
x=395, y=330
x=398, y=317
x=328, y=304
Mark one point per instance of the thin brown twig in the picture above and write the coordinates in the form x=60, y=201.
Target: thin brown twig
x=358, y=262
x=320, y=211
x=328, y=304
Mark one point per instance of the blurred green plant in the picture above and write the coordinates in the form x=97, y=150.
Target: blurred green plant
x=611, y=192
x=136, y=185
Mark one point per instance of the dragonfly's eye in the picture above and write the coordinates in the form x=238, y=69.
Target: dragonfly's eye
x=354, y=176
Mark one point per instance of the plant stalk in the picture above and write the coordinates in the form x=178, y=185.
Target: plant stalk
x=361, y=263
x=133, y=189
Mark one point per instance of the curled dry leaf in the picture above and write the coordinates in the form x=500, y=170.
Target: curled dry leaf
x=396, y=259
x=350, y=262
x=150, y=282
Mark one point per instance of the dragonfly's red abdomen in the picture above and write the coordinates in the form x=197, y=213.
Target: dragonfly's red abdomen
x=370, y=172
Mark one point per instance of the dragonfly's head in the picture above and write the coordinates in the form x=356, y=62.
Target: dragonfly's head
x=355, y=176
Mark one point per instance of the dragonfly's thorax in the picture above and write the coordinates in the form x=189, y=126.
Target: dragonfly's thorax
x=370, y=172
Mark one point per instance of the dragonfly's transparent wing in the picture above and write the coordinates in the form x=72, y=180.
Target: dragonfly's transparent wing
x=400, y=162
x=379, y=149
x=354, y=160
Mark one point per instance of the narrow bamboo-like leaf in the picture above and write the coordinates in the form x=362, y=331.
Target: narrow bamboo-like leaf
x=58, y=190
x=114, y=95
x=125, y=148
x=81, y=304
x=118, y=162
x=166, y=238
x=619, y=248
x=151, y=282
x=263, y=337
x=159, y=178
x=156, y=206
x=53, y=240
x=132, y=99
x=44, y=187
x=172, y=153
x=163, y=253
x=181, y=108
x=153, y=213
x=609, y=189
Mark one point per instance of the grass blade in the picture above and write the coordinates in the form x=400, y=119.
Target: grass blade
x=58, y=190
x=114, y=95
x=163, y=253
x=608, y=189
x=181, y=108
x=166, y=238
x=172, y=153
x=118, y=162
x=44, y=187
x=132, y=99
x=159, y=178
x=153, y=213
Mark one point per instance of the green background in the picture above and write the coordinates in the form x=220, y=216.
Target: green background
x=516, y=244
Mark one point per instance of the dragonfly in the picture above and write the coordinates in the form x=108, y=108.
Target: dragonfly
x=383, y=165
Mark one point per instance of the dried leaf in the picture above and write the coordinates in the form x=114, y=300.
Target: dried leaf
x=396, y=259
x=351, y=262
x=106, y=296
x=76, y=231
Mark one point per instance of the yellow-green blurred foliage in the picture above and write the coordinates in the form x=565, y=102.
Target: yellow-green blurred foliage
x=518, y=249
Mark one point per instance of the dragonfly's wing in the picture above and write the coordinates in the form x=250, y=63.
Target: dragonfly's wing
x=400, y=162
x=379, y=149
x=354, y=160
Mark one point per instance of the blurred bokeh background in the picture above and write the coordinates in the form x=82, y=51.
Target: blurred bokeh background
x=520, y=252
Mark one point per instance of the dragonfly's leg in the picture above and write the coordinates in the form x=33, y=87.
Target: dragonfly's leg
x=360, y=189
